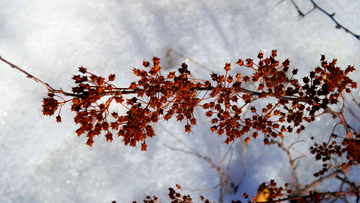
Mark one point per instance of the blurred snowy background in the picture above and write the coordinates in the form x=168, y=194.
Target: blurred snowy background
x=44, y=161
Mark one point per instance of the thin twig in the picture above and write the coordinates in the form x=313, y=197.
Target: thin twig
x=338, y=25
x=316, y=6
x=191, y=60
x=317, y=181
x=225, y=179
x=28, y=75
x=291, y=160
x=297, y=8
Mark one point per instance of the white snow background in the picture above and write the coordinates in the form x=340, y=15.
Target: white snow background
x=45, y=161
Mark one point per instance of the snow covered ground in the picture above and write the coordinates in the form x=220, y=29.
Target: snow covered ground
x=44, y=161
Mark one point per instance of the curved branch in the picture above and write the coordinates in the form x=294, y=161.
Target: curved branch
x=28, y=75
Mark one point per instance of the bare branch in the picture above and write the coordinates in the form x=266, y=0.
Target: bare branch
x=28, y=75
x=189, y=59
x=316, y=6
x=338, y=25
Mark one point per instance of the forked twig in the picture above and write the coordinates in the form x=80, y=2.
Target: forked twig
x=316, y=6
x=225, y=179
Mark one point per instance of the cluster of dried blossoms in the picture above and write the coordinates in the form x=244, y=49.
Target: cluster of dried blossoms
x=175, y=197
x=275, y=193
x=325, y=151
x=177, y=95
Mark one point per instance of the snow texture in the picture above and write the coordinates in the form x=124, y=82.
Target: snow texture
x=44, y=161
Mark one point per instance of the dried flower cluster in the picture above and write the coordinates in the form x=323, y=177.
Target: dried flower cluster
x=325, y=151
x=177, y=95
x=175, y=197
x=275, y=193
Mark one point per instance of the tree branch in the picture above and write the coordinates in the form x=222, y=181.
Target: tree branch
x=316, y=6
